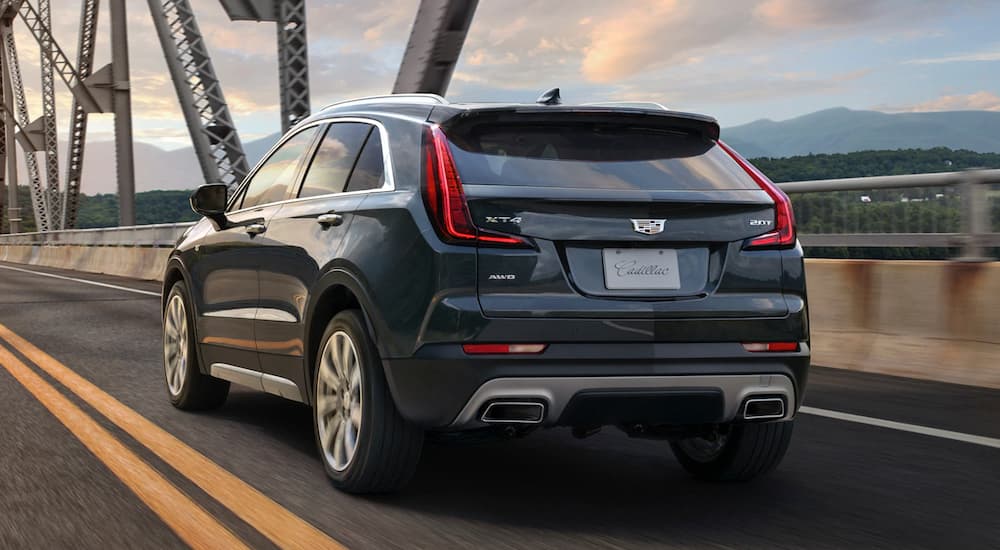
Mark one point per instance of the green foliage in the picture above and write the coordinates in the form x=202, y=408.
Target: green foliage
x=874, y=163
x=102, y=210
x=924, y=210
x=150, y=207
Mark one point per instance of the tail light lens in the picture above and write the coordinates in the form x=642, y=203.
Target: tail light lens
x=772, y=347
x=445, y=198
x=783, y=235
x=503, y=349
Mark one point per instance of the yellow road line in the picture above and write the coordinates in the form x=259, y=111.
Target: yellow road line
x=282, y=527
x=191, y=522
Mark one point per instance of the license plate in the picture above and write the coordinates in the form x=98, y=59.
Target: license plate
x=641, y=269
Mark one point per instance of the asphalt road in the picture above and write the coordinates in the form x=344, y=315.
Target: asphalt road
x=843, y=483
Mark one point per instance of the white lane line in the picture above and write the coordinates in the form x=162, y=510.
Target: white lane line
x=84, y=281
x=902, y=426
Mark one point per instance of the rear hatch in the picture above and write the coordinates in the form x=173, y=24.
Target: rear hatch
x=623, y=214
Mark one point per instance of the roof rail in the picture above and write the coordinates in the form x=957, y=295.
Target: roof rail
x=391, y=98
x=630, y=104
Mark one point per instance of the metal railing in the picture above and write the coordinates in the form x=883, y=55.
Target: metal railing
x=953, y=210
x=940, y=210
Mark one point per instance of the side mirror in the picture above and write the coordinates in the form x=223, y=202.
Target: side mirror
x=209, y=200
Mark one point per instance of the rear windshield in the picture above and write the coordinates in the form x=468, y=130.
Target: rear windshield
x=594, y=156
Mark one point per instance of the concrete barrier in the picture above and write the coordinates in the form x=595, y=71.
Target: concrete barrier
x=923, y=319
x=137, y=262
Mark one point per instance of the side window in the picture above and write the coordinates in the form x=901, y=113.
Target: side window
x=237, y=199
x=271, y=182
x=369, y=171
x=334, y=159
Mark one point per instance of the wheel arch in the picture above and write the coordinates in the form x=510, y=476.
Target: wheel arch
x=337, y=291
x=174, y=272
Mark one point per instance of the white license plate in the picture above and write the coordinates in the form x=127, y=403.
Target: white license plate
x=641, y=269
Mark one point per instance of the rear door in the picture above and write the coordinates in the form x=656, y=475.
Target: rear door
x=306, y=236
x=628, y=221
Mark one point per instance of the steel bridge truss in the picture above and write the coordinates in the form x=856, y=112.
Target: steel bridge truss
x=213, y=133
x=28, y=135
x=293, y=51
x=55, y=208
x=434, y=45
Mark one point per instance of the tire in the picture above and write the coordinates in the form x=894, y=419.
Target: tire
x=188, y=388
x=740, y=452
x=386, y=448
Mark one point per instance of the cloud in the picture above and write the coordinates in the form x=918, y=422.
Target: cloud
x=993, y=55
x=978, y=101
x=802, y=14
x=680, y=52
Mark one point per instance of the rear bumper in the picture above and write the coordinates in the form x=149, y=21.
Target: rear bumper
x=708, y=399
x=444, y=388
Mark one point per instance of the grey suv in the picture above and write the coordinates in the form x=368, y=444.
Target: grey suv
x=408, y=267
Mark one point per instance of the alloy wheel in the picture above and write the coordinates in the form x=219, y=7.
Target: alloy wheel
x=338, y=400
x=175, y=344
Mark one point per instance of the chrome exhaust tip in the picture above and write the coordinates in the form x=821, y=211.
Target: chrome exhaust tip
x=513, y=412
x=764, y=408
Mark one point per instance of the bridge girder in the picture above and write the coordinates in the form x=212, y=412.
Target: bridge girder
x=293, y=50
x=31, y=134
x=435, y=43
x=216, y=142
x=78, y=123
x=55, y=209
x=52, y=205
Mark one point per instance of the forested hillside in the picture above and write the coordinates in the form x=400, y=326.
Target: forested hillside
x=874, y=163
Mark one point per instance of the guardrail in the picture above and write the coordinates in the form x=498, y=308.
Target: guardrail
x=966, y=193
x=975, y=232
x=155, y=235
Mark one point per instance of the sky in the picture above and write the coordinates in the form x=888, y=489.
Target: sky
x=738, y=60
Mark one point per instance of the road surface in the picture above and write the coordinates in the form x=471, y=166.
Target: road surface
x=94, y=456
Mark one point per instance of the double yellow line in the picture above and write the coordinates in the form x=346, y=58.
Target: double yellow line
x=184, y=516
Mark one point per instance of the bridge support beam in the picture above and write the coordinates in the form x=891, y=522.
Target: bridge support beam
x=435, y=43
x=293, y=50
x=13, y=211
x=216, y=142
x=122, y=104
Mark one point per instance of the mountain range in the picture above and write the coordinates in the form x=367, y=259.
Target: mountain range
x=837, y=130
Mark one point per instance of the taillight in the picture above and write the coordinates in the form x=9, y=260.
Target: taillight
x=446, y=199
x=772, y=347
x=501, y=349
x=783, y=235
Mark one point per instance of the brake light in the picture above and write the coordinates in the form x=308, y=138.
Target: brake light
x=494, y=349
x=771, y=346
x=783, y=235
x=446, y=200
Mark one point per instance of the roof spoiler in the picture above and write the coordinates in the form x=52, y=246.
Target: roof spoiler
x=464, y=120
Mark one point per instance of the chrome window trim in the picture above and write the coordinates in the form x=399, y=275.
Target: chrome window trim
x=388, y=185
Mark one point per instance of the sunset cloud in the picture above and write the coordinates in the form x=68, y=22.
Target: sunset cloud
x=979, y=101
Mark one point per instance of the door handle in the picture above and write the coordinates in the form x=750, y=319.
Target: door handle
x=256, y=228
x=330, y=219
